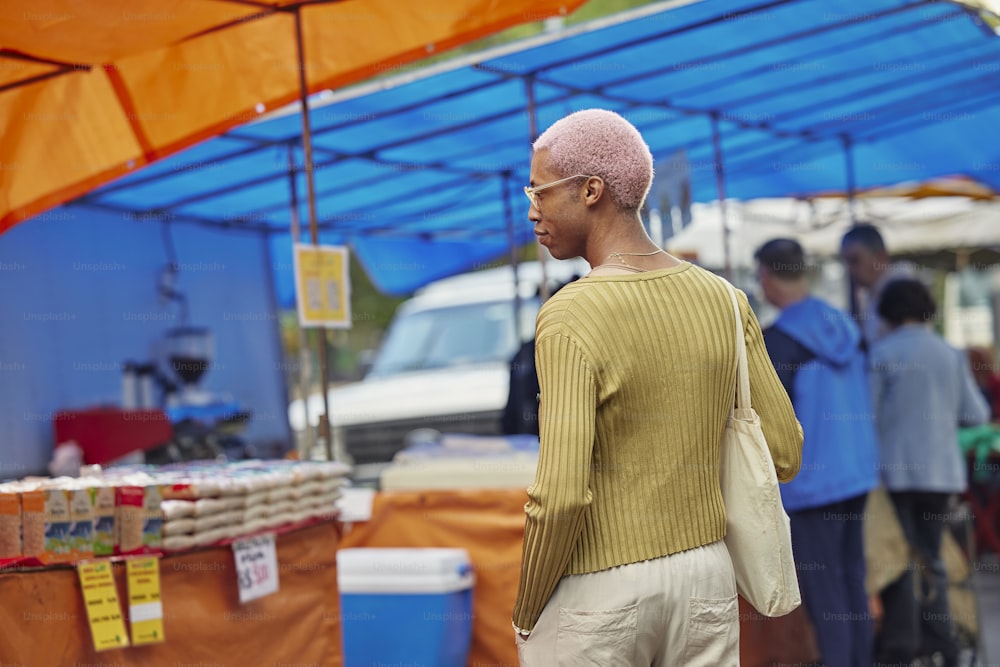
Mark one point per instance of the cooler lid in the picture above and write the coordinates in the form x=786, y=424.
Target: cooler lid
x=403, y=570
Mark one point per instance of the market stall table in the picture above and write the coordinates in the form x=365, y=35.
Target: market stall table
x=45, y=623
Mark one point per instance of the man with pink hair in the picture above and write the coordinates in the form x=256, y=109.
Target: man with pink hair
x=623, y=560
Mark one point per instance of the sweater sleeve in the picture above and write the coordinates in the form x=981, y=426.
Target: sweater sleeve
x=877, y=381
x=561, y=490
x=769, y=398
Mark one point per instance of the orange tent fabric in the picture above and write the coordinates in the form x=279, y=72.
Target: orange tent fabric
x=88, y=96
x=945, y=186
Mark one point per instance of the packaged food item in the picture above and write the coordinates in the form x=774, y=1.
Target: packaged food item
x=206, y=506
x=81, y=517
x=172, y=527
x=281, y=518
x=280, y=493
x=209, y=536
x=178, y=542
x=256, y=512
x=128, y=519
x=139, y=518
x=10, y=521
x=212, y=521
x=102, y=497
x=152, y=524
x=45, y=520
x=260, y=498
x=306, y=489
x=32, y=521
x=177, y=509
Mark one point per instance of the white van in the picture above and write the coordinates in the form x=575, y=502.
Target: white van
x=444, y=363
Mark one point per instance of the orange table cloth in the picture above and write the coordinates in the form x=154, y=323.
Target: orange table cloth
x=489, y=524
x=45, y=624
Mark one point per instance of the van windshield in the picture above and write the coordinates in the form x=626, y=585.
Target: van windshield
x=453, y=336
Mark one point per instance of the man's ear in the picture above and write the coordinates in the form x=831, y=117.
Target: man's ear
x=593, y=190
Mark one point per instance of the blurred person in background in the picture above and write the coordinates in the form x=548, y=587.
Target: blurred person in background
x=816, y=350
x=520, y=415
x=868, y=264
x=984, y=370
x=623, y=560
x=922, y=392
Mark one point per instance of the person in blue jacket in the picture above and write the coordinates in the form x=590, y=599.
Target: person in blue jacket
x=817, y=352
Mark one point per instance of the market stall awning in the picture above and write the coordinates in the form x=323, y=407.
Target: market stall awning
x=90, y=92
x=422, y=174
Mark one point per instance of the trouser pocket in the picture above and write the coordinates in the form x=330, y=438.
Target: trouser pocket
x=713, y=633
x=604, y=638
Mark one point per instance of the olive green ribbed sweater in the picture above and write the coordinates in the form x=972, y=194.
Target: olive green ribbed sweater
x=637, y=376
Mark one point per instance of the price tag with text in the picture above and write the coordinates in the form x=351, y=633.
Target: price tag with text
x=104, y=612
x=145, y=610
x=256, y=566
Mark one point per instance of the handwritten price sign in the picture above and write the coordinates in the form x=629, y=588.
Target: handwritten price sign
x=256, y=567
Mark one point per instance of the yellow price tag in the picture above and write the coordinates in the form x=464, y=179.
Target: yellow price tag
x=104, y=612
x=145, y=610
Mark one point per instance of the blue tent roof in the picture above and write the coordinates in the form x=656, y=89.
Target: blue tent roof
x=422, y=173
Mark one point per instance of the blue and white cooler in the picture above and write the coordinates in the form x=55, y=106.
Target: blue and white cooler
x=405, y=606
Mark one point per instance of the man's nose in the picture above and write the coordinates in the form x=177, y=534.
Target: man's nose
x=534, y=214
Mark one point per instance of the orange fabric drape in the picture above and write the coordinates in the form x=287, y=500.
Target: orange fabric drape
x=45, y=624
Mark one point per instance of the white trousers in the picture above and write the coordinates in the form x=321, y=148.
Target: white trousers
x=674, y=611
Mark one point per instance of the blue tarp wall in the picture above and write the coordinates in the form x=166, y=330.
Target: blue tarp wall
x=80, y=297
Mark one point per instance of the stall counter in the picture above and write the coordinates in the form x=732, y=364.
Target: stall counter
x=44, y=621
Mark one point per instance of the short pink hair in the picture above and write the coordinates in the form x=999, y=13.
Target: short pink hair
x=601, y=143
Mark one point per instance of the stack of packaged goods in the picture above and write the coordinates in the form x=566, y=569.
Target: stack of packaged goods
x=65, y=519
x=202, y=506
x=149, y=509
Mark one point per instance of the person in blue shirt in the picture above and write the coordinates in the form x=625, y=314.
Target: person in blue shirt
x=817, y=351
x=922, y=391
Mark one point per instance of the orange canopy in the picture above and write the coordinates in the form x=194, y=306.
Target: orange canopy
x=87, y=96
x=944, y=186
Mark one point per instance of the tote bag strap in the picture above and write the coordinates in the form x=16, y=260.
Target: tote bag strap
x=742, y=374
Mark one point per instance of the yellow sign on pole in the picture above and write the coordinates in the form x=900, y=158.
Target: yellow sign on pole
x=322, y=286
x=104, y=612
x=145, y=610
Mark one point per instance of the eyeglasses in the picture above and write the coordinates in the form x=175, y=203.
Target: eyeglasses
x=532, y=193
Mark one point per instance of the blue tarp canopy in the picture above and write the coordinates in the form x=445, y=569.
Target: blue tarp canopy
x=421, y=173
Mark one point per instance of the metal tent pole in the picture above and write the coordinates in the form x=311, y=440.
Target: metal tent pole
x=305, y=368
x=529, y=89
x=854, y=303
x=313, y=231
x=720, y=186
x=508, y=213
x=851, y=182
